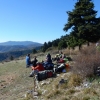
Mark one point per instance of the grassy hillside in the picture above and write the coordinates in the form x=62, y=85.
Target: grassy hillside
x=13, y=79
x=15, y=83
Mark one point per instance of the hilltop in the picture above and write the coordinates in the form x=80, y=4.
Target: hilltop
x=15, y=83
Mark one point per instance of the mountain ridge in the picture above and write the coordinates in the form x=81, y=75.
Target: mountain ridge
x=25, y=43
x=18, y=45
x=17, y=48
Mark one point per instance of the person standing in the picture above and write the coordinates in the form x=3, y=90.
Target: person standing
x=28, y=61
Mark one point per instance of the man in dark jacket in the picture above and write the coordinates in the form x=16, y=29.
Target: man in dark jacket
x=48, y=65
x=34, y=62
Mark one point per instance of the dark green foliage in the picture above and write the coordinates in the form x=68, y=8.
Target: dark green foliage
x=49, y=44
x=55, y=42
x=83, y=22
x=62, y=44
x=34, y=51
x=44, y=47
x=15, y=54
x=74, y=41
x=11, y=57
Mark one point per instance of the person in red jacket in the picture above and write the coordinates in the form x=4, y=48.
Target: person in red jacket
x=39, y=67
x=36, y=69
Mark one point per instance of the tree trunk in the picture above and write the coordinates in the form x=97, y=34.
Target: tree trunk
x=80, y=47
x=88, y=44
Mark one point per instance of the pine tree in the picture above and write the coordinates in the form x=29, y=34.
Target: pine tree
x=34, y=51
x=11, y=57
x=83, y=22
x=45, y=47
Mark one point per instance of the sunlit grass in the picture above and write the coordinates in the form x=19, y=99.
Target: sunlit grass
x=15, y=82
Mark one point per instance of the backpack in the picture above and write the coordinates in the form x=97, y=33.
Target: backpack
x=42, y=75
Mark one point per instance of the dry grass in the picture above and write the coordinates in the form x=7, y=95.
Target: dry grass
x=87, y=60
x=15, y=83
x=90, y=91
x=14, y=79
x=74, y=80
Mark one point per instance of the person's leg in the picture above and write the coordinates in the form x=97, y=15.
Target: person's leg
x=45, y=65
x=34, y=72
x=27, y=66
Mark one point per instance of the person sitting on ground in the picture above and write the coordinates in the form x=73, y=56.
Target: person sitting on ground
x=60, y=54
x=28, y=61
x=63, y=56
x=56, y=58
x=48, y=65
x=48, y=58
x=36, y=69
x=34, y=62
x=39, y=67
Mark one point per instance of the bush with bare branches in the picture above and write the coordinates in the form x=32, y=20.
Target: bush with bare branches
x=87, y=61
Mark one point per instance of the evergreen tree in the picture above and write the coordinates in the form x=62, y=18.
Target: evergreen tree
x=45, y=47
x=49, y=44
x=83, y=22
x=11, y=57
x=72, y=41
x=62, y=44
x=34, y=51
x=55, y=42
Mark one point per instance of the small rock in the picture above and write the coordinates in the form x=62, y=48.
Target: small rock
x=44, y=92
x=57, y=74
x=1, y=84
x=4, y=86
x=61, y=81
x=43, y=83
x=35, y=97
x=35, y=93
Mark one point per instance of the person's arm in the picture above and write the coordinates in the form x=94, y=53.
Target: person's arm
x=34, y=68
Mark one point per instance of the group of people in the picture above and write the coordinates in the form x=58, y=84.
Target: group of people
x=29, y=62
x=39, y=66
x=44, y=65
x=59, y=57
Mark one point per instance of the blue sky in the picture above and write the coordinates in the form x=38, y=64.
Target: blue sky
x=35, y=20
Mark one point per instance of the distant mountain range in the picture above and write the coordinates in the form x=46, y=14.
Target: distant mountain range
x=25, y=43
x=17, y=49
x=18, y=45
